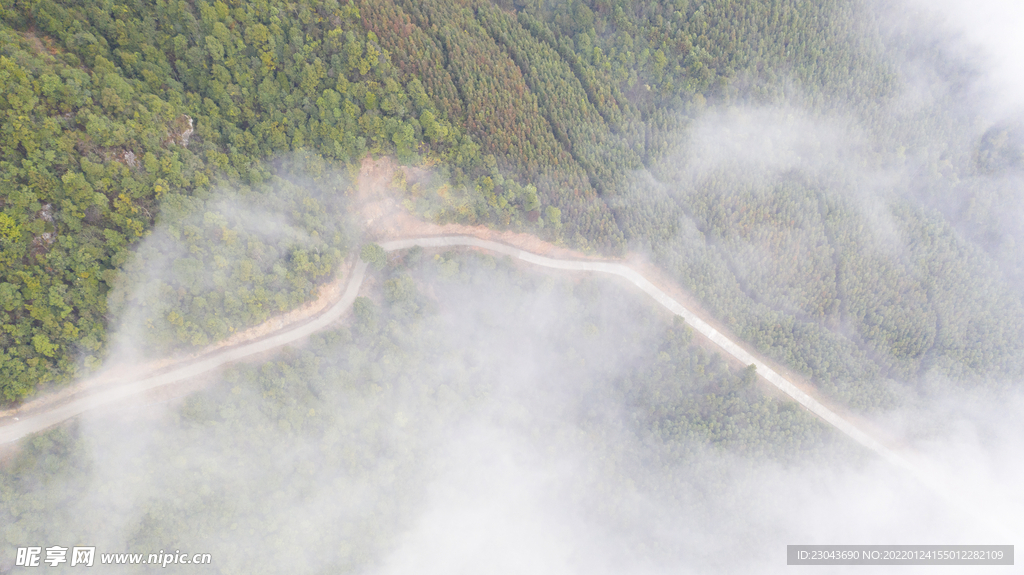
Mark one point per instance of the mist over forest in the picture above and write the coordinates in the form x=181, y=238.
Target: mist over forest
x=836, y=184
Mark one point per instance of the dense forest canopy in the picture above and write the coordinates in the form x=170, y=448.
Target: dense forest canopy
x=822, y=176
x=116, y=113
x=600, y=125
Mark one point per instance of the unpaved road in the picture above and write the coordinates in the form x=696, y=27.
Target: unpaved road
x=32, y=423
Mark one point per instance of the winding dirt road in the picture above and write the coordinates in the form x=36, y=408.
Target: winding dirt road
x=14, y=429
x=44, y=419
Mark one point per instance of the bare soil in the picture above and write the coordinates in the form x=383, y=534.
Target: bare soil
x=381, y=210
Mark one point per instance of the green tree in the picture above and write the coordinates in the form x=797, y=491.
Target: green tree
x=374, y=255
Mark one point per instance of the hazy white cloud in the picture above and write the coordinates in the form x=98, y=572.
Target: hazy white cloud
x=990, y=32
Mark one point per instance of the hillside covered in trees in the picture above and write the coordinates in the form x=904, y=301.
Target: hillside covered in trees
x=822, y=176
x=604, y=125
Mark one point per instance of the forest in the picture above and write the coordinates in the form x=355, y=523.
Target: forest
x=820, y=176
x=115, y=114
x=568, y=120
